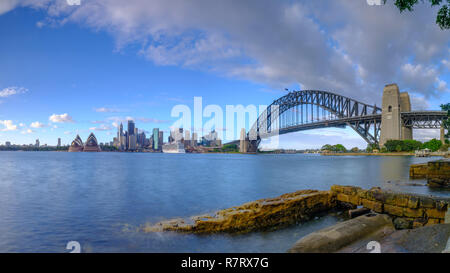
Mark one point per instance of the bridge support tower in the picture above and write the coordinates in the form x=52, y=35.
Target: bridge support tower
x=393, y=104
x=243, y=142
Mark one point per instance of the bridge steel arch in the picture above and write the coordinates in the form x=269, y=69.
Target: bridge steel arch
x=343, y=111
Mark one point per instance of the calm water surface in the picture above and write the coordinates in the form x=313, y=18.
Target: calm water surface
x=98, y=199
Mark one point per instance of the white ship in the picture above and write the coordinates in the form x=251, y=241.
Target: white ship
x=173, y=148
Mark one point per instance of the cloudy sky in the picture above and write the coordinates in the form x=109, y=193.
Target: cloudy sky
x=68, y=69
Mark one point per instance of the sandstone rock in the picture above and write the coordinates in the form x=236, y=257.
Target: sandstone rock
x=336, y=237
x=402, y=223
x=262, y=214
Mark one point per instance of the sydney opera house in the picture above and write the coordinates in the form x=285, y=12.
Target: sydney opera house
x=91, y=144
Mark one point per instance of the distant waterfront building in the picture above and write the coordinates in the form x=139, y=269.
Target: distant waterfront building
x=76, y=145
x=131, y=126
x=155, y=137
x=8, y=144
x=37, y=143
x=176, y=135
x=194, y=139
x=59, y=142
x=161, y=139
x=132, y=136
x=187, y=138
x=91, y=144
x=121, y=138
x=212, y=139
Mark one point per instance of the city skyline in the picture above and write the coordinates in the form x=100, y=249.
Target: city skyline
x=48, y=92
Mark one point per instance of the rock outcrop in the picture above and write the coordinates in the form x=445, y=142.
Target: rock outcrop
x=262, y=214
x=336, y=237
x=415, y=210
x=436, y=172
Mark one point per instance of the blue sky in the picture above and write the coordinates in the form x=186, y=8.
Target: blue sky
x=67, y=70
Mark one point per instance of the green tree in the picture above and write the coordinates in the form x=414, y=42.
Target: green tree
x=443, y=15
x=339, y=148
x=327, y=147
x=391, y=145
x=433, y=145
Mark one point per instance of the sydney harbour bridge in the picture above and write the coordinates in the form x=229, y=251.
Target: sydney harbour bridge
x=313, y=109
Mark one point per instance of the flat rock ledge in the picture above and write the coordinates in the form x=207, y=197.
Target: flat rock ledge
x=436, y=172
x=263, y=214
x=406, y=210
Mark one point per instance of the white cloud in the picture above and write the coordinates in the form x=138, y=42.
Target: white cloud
x=102, y=127
x=426, y=134
x=106, y=110
x=13, y=90
x=7, y=5
x=27, y=131
x=344, y=46
x=63, y=118
x=8, y=125
x=37, y=124
x=425, y=79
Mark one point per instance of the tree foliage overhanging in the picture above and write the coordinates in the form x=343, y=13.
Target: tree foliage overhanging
x=443, y=15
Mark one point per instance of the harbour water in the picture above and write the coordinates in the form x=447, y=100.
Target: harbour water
x=100, y=199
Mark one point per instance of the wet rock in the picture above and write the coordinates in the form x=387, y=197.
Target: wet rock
x=336, y=237
x=262, y=214
x=402, y=223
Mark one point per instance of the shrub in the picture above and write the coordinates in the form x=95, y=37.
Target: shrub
x=433, y=145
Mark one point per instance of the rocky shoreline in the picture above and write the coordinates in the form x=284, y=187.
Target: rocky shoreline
x=407, y=210
x=392, y=211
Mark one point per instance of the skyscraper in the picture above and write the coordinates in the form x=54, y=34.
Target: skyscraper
x=161, y=139
x=37, y=143
x=156, y=145
x=130, y=127
x=194, y=139
x=59, y=142
x=121, y=138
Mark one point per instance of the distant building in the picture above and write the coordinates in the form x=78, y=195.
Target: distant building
x=59, y=142
x=131, y=127
x=211, y=140
x=76, y=145
x=187, y=138
x=8, y=144
x=194, y=139
x=91, y=144
x=37, y=143
x=161, y=138
x=155, y=137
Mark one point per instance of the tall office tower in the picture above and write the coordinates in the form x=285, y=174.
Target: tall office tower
x=151, y=142
x=132, y=139
x=142, y=140
x=194, y=139
x=187, y=138
x=37, y=143
x=59, y=142
x=179, y=135
x=130, y=127
x=125, y=136
x=121, y=137
x=156, y=139
x=160, y=139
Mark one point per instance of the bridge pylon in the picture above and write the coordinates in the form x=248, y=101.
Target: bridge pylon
x=393, y=104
